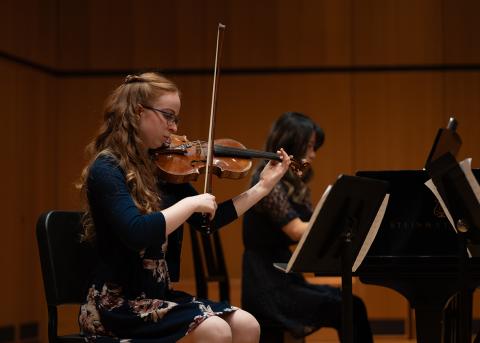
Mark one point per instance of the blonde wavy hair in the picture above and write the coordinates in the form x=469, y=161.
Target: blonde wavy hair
x=119, y=138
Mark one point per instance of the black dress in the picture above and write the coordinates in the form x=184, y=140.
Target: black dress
x=287, y=299
x=130, y=296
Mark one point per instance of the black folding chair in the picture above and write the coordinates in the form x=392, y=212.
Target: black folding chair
x=66, y=266
x=209, y=264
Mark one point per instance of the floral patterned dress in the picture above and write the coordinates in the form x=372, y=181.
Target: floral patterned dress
x=130, y=297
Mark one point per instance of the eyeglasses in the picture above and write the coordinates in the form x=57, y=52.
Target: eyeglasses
x=169, y=117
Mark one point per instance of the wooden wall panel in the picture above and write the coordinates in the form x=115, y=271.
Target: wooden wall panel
x=461, y=31
x=253, y=33
x=313, y=33
x=196, y=32
x=73, y=35
x=462, y=100
x=396, y=119
x=29, y=30
x=37, y=180
x=80, y=104
x=28, y=172
x=111, y=34
x=167, y=34
x=140, y=35
x=164, y=35
x=10, y=240
x=397, y=32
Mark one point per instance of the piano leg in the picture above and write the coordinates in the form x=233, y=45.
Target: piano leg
x=450, y=319
x=458, y=318
x=454, y=324
x=429, y=325
x=465, y=300
x=465, y=317
x=428, y=300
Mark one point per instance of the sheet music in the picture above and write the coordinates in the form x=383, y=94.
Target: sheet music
x=466, y=166
x=434, y=190
x=372, y=233
x=309, y=227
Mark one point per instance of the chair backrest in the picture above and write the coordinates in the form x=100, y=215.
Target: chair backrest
x=67, y=265
x=209, y=264
x=66, y=262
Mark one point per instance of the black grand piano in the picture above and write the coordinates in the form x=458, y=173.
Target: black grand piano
x=417, y=253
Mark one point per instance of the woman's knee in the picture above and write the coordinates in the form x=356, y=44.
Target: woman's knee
x=244, y=324
x=213, y=329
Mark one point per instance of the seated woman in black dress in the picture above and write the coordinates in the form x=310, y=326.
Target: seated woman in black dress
x=271, y=227
x=135, y=220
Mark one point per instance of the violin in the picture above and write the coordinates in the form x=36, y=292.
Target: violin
x=183, y=160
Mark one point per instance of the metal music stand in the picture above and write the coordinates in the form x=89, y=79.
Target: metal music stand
x=338, y=234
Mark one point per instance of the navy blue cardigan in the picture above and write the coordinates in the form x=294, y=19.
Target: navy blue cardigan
x=122, y=231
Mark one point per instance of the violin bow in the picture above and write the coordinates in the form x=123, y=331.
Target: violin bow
x=211, y=131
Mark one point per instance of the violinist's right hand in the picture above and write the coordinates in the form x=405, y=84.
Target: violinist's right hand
x=204, y=203
x=178, y=213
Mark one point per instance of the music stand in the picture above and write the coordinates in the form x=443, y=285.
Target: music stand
x=455, y=191
x=446, y=141
x=339, y=234
x=454, y=184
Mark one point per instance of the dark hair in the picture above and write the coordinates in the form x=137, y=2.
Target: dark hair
x=292, y=132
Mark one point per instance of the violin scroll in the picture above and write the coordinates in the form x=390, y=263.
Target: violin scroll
x=299, y=167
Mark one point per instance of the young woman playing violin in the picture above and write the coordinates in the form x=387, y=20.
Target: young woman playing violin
x=135, y=218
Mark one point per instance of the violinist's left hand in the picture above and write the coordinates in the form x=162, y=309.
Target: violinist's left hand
x=274, y=171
